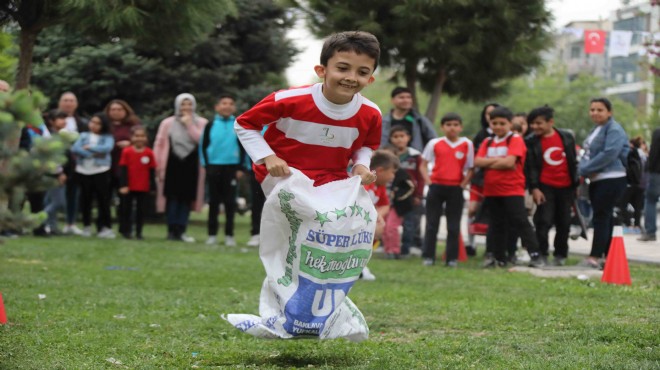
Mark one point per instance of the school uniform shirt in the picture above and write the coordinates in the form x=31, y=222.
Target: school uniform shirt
x=411, y=160
x=450, y=160
x=554, y=168
x=311, y=133
x=138, y=166
x=378, y=194
x=504, y=183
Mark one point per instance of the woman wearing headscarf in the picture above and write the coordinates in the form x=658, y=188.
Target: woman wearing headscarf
x=606, y=152
x=178, y=162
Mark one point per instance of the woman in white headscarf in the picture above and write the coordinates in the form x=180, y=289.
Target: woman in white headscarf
x=178, y=166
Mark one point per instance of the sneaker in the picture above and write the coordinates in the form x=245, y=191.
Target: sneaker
x=86, y=231
x=126, y=235
x=537, y=261
x=187, y=239
x=212, y=240
x=366, y=275
x=470, y=250
x=139, y=237
x=254, y=241
x=647, y=238
x=230, y=241
x=73, y=229
x=427, y=262
x=559, y=261
x=512, y=259
x=415, y=251
x=589, y=263
x=106, y=233
x=452, y=264
x=489, y=261
x=501, y=264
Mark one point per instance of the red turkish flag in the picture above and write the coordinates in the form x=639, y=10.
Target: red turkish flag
x=594, y=42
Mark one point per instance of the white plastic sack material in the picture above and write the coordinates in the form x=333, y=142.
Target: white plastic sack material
x=315, y=243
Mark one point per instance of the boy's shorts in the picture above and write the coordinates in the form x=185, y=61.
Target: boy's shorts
x=476, y=193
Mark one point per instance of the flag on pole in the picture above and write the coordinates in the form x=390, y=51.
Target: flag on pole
x=620, y=42
x=594, y=42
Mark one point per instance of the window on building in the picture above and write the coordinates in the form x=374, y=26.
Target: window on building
x=576, y=52
x=638, y=24
x=625, y=69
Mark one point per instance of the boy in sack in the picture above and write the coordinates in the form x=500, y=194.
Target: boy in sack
x=315, y=130
x=503, y=158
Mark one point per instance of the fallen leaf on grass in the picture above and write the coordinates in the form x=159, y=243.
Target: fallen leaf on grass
x=41, y=296
x=119, y=316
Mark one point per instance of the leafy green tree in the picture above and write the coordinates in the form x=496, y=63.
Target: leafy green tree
x=7, y=58
x=245, y=55
x=463, y=48
x=22, y=171
x=149, y=21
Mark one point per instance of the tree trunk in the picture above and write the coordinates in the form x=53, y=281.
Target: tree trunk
x=411, y=80
x=28, y=38
x=434, y=101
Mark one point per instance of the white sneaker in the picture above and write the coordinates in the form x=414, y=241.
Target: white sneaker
x=73, y=229
x=414, y=251
x=427, y=262
x=187, y=239
x=86, y=231
x=230, y=241
x=106, y=233
x=254, y=241
x=367, y=275
x=212, y=240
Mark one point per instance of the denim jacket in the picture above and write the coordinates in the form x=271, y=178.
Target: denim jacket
x=608, y=151
x=100, y=152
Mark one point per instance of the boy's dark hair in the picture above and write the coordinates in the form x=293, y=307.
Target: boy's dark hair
x=384, y=159
x=225, y=96
x=105, y=122
x=57, y=114
x=501, y=112
x=451, y=116
x=400, y=90
x=398, y=128
x=135, y=129
x=606, y=102
x=359, y=42
x=545, y=111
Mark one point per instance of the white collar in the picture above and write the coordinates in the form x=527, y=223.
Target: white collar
x=332, y=110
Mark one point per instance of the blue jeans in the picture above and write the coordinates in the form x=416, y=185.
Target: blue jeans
x=177, y=213
x=604, y=195
x=650, y=204
x=55, y=201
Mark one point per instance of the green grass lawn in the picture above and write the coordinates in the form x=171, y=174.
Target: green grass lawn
x=157, y=304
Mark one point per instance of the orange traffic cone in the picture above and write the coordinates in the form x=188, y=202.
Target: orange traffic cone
x=3, y=315
x=462, y=253
x=616, y=266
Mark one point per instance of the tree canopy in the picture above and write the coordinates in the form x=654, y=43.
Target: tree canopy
x=245, y=55
x=464, y=48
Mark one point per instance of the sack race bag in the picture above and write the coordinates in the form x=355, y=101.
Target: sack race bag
x=315, y=243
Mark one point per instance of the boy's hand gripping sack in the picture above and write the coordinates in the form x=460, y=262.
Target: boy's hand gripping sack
x=315, y=243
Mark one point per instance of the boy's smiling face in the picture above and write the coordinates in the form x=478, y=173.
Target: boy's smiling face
x=346, y=74
x=500, y=126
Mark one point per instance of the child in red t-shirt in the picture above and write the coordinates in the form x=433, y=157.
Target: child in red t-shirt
x=503, y=158
x=137, y=168
x=452, y=157
x=384, y=164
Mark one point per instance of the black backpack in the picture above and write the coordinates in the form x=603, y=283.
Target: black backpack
x=634, y=167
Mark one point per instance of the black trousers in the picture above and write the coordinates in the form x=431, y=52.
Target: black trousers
x=506, y=213
x=634, y=195
x=258, y=200
x=95, y=187
x=222, y=188
x=139, y=198
x=451, y=198
x=555, y=211
x=604, y=195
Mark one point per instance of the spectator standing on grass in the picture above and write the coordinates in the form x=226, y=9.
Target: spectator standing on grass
x=410, y=160
x=179, y=175
x=452, y=157
x=503, y=158
x=552, y=179
x=93, y=162
x=421, y=131
x=606, y=151
x=634, y=194
x=652, y=190
x=137, y=166
x=222, y=156
x=122, y=120
x=55, y=199
x=68, y=104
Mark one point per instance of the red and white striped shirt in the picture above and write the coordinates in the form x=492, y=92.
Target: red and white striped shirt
x=310, y=133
